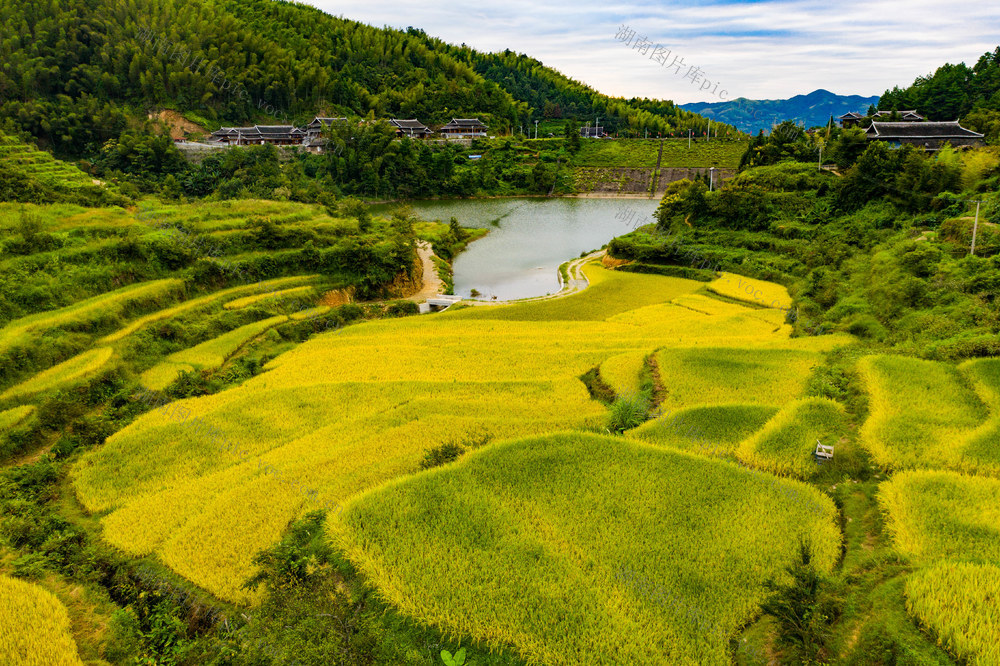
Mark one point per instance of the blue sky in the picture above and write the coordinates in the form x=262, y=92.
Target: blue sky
x=761, y=49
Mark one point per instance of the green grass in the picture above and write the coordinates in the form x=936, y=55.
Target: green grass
x=270, y=298
x=587, y=549
x=786, y=444
x=643, y=153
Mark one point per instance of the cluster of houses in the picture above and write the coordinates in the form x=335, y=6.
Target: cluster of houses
x=909, y=127
x=311, y=135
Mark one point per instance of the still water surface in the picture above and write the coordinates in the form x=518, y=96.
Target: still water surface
x=529, y=238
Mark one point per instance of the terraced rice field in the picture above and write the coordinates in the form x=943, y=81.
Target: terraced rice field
x=749, y=290
x=41, y=164
x=586, y=549
x=208, y=355
x=87, y=313
x=926, y=414
x=34, y=627
x=215, y=479
x=957, y=602
x=75, y=370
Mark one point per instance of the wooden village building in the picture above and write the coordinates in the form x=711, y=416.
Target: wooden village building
x=927, y=135
x=412, y=128
x=464, y=128
x=314, y=130
x=276, y=135
x=853, y=119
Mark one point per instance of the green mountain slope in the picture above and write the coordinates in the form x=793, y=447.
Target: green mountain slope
x=79, y=72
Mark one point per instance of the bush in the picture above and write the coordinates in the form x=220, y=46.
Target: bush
x=627, y=413
x=441, y=455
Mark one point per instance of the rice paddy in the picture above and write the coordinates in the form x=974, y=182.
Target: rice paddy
x=208, y=355
x=786, y=444
x=74, y=371
x=926, y=414
x=350, y=410
x=10, y=418
x=586, y=549
x=34, y=627
x=958, y=603
x=749, y=290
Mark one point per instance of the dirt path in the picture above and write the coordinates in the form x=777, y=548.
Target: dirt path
x=432, y=284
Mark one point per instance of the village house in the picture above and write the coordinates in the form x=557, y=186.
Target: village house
x=276, y=135
x=850, y=119
x=464, y=128
x=910, y=116
x=853, y=119
x=412, y=128
x=317, y=125
x=928, y=135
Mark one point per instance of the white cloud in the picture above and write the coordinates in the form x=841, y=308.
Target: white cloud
x=770, y=49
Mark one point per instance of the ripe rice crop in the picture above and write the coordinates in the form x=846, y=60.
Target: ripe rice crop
x=693, y=377
x=936, y=515
x=621, y=372
x=208, y=355
x=75, y=370
x=356, y=408
x=195, y=303
x=758, y=292
x=34, y=627
x=714, y=429
x=311, y=312
x=586, y=549
x=15, y=416
x=786, y=444
x=85, y=313
x=260, y=299
x=958, y=601
x=607, y=295
x=923, y=414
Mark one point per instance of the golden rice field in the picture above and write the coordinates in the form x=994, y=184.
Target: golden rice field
x=34, y=627
x=586, y=549
x=208, y=355
x=749, y=290
x=77, y=369
x=622, y=372
x=786, y=444
x=86, y=313
x=714, y=429
x=958, y=603
x=934, y=515
x=926, y=414
x=15, y=416
x=265, y=287
x=217, y=478
x=268, y=298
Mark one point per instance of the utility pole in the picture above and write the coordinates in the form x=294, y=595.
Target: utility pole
x=536, y=129
x=711, y=179
x=709, y=135
x=975, y=227
x=597, y=127
x=689, y=139
x=820, y=166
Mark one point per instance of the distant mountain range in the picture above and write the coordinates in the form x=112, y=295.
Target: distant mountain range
x=751, y=115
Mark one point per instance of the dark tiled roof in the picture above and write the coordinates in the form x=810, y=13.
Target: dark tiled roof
x=924, y=130
x=850, y=114
x=320, y=120
x=412, y=124
x=464, y=123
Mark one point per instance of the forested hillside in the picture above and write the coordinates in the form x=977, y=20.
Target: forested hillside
x=79, y=73
x=955, y=91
